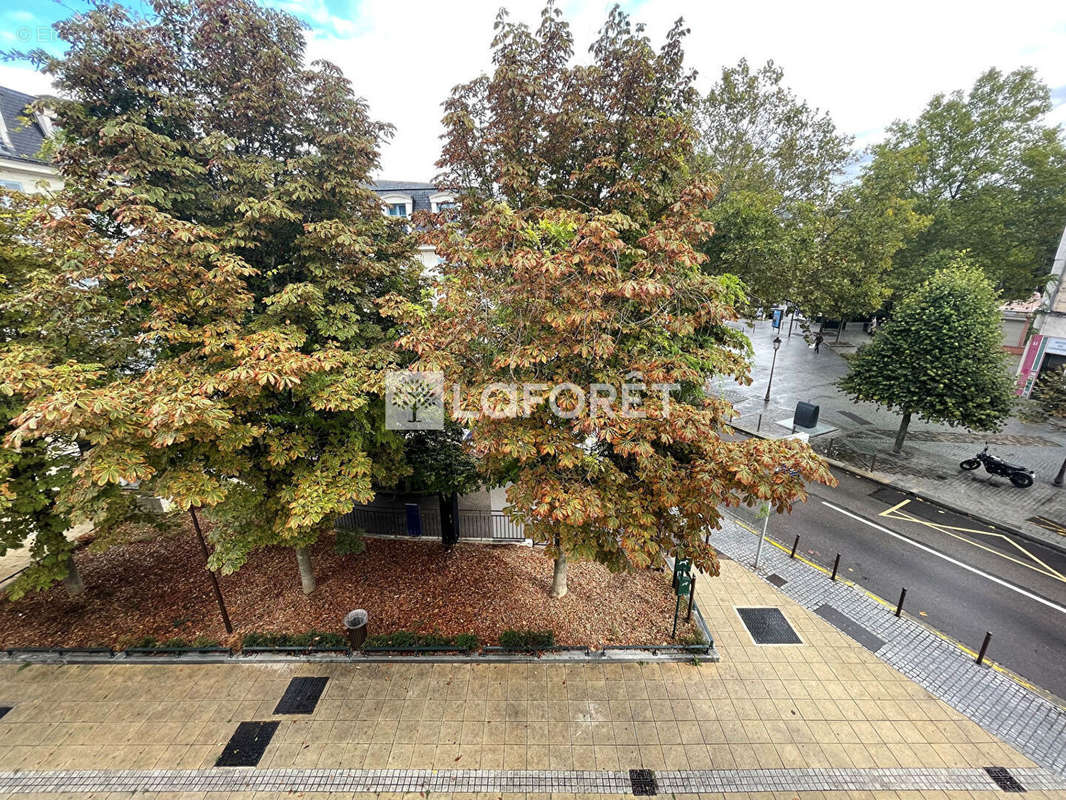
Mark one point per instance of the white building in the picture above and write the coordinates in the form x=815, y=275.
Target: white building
x=22, y=133
x=402, y=198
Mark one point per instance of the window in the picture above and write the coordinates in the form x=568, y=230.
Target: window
x=397, y=209
x=441, y=200
x=14, y=186
x=446, y=204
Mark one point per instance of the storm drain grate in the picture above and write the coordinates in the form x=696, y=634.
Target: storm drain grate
x=768, y=626
x=776, y=580
x=643, y=782
x=247, y=745
x=849, y=626
x=4, y=710
x=301, y=696
x=1004, y=780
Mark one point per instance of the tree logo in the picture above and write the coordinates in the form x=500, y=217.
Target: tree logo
x=414, y=401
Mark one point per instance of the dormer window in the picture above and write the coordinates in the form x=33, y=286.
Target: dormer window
x=44, y=122
x=397, y=205
x=441, y=201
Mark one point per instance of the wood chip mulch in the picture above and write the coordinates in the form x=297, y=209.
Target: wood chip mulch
x=159, y=588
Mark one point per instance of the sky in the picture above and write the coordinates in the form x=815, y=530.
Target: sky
x=865, y=63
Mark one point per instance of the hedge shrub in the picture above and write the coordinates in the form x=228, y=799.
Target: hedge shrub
x=527, y=640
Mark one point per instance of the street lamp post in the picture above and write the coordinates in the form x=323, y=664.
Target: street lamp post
x=773, y=363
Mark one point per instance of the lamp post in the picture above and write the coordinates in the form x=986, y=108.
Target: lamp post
x=773, y=363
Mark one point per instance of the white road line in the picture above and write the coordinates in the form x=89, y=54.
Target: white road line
x=947, y=558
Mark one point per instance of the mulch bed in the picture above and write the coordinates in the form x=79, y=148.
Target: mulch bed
x=158, y=587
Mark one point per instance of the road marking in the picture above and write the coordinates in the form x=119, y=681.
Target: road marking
x=897, y=512
x=956, y=562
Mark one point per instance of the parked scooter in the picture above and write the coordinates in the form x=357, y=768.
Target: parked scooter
x=1019, y=475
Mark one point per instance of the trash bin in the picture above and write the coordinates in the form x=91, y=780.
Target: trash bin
x=355, y=627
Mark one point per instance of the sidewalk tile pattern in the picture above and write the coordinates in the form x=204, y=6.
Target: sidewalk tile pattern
x=1021, y=717
x=435, y=782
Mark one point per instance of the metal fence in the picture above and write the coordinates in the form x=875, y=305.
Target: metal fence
x=486, y=525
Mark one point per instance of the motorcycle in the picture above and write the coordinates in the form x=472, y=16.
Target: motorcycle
x=1019, y=475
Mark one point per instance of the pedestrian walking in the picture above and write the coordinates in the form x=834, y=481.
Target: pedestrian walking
x=818, y=343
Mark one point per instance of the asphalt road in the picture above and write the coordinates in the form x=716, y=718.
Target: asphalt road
x=963, y=577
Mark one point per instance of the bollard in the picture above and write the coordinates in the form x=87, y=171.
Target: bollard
x=836, y=564
x=691, y=599
x=984, y=647
x=795, y=544
x=899, y=605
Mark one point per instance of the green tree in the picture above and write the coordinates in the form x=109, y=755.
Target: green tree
x=992, y=175
x=757, y=135
x=540, y=131
x=777, y=162
x=220, y=185
x=940, y=357
x=574, y=262
x=845, y=248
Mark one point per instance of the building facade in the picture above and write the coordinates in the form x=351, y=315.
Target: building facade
x=400, y=199
x=1046, y=347
x=22, y=135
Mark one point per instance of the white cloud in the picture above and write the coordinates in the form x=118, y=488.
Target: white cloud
x=866, y=63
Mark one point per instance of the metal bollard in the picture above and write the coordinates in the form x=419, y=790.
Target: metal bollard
x=836, y=564
x=984, y=647
x=899, y=605
x=795, y=544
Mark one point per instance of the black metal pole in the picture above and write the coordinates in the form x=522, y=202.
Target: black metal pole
x=677, y=611
x=795, y=544
x=211, y=572
x=1061, y=475
x=984, y=647
x=770, y=382
x=836, y=564
x=899, y=605
x=691, y=598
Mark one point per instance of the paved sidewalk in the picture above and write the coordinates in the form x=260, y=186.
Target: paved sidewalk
x=929, y=464
x=990, y=697
x=823, y=716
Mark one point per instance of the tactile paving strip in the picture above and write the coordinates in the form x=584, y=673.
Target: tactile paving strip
x=725, y=781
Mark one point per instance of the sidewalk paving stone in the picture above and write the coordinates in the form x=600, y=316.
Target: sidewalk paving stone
x=758, y=721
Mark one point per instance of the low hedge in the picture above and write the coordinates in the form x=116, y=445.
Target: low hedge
x=527, y=640
x=309, y=640
x=151, y=643
x=415, y=641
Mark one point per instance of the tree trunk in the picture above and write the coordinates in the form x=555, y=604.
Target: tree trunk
x=902, y=432
x=72, y=580
x=559, y=576
x=307, y=575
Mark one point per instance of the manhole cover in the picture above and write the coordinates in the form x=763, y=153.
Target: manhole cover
x=1004, y=780
x=643, y=782
x=247, y=745
x=776, y=580
x=301, y=696
x=768, y=626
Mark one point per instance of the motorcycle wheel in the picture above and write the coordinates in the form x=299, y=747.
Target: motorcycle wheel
x=1021, y=479
x=970, y=463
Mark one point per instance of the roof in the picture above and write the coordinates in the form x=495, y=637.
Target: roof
x=26, y=138
x=1024, y=306
x=419, y=192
